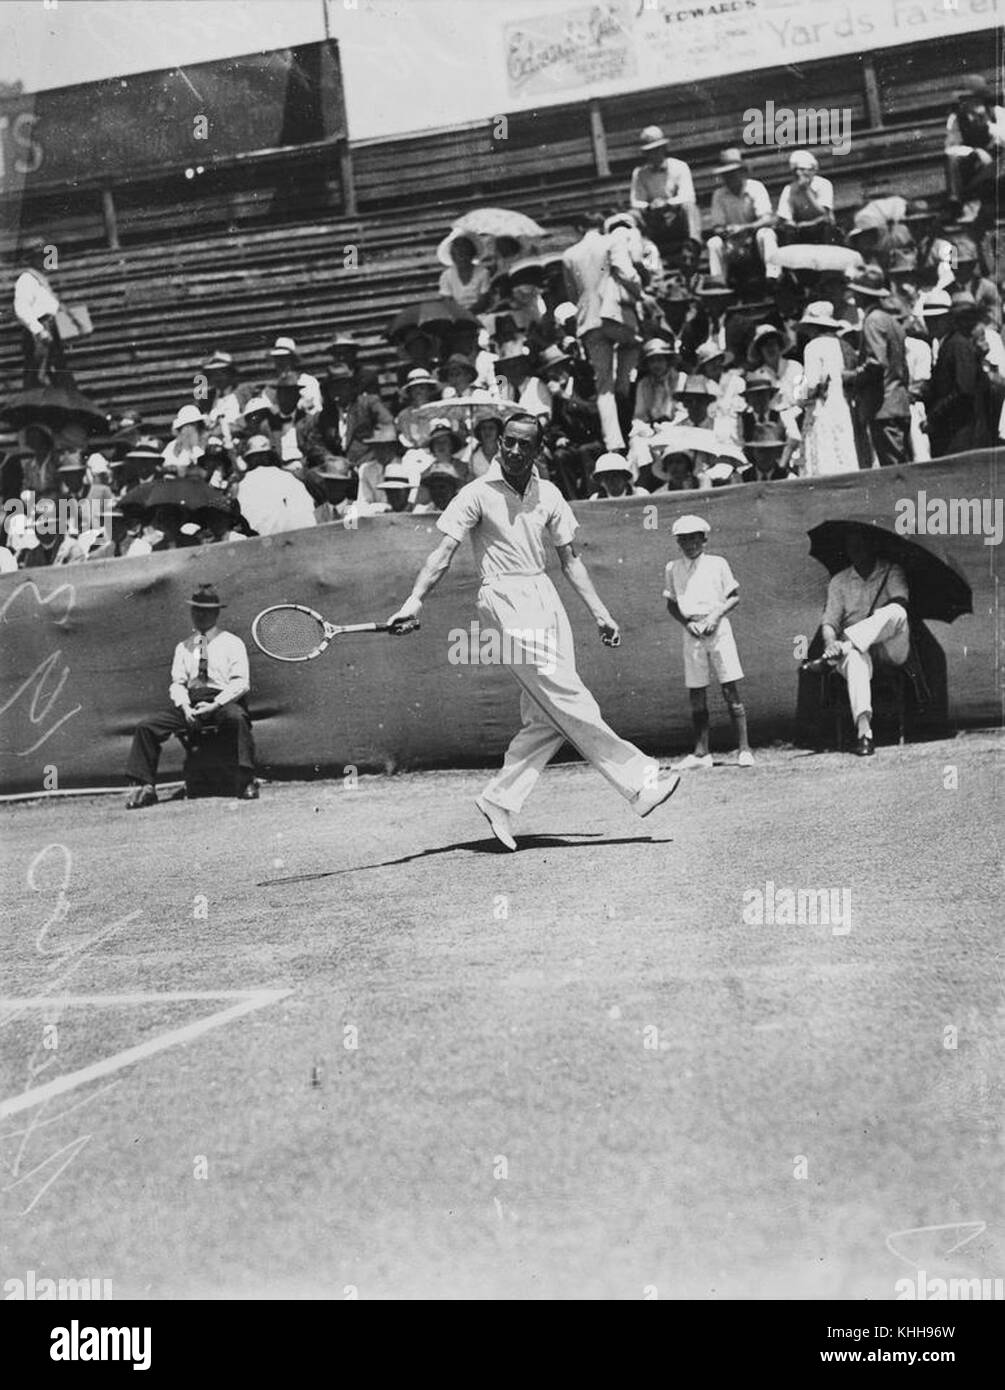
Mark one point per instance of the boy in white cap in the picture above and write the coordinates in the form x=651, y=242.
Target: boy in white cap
x=700, y=590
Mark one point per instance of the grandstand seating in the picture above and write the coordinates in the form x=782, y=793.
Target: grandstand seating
x=234, y=267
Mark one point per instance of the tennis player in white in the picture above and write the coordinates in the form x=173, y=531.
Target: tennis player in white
x=509, y=511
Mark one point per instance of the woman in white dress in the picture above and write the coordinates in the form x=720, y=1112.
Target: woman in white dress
x=465, y=280
x=828, y=432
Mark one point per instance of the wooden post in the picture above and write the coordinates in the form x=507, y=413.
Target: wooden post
x=348, y=181
x=599, y=137
x=873, y=105
x=111, y=223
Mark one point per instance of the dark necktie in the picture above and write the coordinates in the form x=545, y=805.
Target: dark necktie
x=203, y=660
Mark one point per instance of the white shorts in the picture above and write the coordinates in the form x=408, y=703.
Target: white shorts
x=717, y=652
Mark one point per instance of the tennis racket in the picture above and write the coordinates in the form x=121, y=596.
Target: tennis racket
x=291, y=632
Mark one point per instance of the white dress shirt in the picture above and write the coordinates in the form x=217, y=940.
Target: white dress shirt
x=226, y=667
x=33, y=299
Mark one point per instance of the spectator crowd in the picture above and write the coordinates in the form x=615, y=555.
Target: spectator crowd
x=656, y=356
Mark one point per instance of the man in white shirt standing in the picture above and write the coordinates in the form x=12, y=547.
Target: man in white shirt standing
x=35, y=308
x=210, y=682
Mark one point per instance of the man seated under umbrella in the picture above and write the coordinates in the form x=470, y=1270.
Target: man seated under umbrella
x=210, y=681
x=865, y=618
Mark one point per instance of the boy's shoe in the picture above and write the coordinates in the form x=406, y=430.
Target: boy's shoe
x=694, y=761
x=141, y=796
x=745, y=759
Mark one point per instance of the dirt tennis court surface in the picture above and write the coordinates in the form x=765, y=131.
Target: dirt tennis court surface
x=337, y=1043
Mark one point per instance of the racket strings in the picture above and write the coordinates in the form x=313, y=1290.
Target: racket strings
x=289, y=633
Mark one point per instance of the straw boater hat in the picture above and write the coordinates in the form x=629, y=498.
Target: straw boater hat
x=760, y=381
x=731, y=158
x=935, y=302
x=658, y=347
x=871, y=282
x=708, y=352
x=205, y=597
x=217, y=361
x=695, y=385
x=611, y=463
x=258, y=444
x=652, y=138
x=283, y=347
x=819, y=314
x=443, y=426
x=552, y=357
x=418, y=376
x=395, y=478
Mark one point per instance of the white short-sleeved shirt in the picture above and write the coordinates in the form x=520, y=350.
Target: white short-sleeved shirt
x=507, y=530
x=699, y=585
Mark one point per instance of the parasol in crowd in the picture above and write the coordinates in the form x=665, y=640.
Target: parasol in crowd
x=463, y=412
x=484, y=225
x=433, y=316
x=531, y=270
x=937, y=586
x=840, y=260
x=685, y=439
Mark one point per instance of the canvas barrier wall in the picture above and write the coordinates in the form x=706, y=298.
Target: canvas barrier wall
x=86, y=650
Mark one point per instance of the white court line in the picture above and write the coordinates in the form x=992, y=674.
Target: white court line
x=250, y=1001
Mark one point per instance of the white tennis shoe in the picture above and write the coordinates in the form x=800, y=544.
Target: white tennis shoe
x=745, y=759
x=498, y=819
x=695, y=761
x=650, y=797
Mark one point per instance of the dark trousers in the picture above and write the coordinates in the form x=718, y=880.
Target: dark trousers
x=44, y=363
x=891, y=438
x=152, y=733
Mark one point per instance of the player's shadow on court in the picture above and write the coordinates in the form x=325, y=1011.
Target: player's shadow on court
x=587, y=839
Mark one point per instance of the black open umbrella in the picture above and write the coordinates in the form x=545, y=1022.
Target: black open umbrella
x=433, y=316
x=938, y=587
x=188, y=494
x=54, y=406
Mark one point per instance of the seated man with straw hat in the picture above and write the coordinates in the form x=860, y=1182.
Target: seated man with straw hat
x=662, y=189
x=741, y=216
x=210, y=681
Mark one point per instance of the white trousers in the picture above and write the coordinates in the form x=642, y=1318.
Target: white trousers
x=767, y=245
x=886, y=630
x=555, y=705
x=612, y=362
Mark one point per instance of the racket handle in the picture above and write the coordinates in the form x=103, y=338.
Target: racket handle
x=411, y=625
